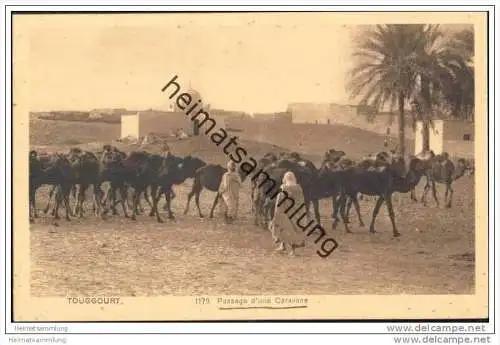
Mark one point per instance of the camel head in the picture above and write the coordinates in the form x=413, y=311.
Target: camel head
x=399, y=166
x=59, y=160
x=327, y=166
x=110, y=156
x=106, y=148
x=295, y=156
x=416, y=165
x=463, y=167
x=74, y=154
x=189, y=165
x=33, y=154
x=470, y=167
x=426, y=155
x=333, y=155
x=271, y=157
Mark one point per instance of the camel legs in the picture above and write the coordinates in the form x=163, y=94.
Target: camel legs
x=430, y=184
x=51, y=194
x=343, y=212
x=77, y=196
x=138, y=190
x=172, y=196
x=130, y=196
x=62, y=196
x=195, y=191
x=347, y=208
x=390, y=209
x=354, y=200
x=336, y=206
x=340, y=206
x=123, y=195
x=148, y=200
x=118, y=187
x=376, y=209
x=109, y=194
x=197, y=200
x=97, y=191
x=156, y=197
x=33, y=212
x=80, y=199
x=216, y=200
x=449, y=194
x=434, y=193
x=334, y=200
x=156, y=191
x=168, y=199
x=65, y=197
x=423, y=199
x=115, y=187
x=112, y=190
x=315, y=204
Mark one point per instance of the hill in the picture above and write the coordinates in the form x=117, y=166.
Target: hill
x=315, y=139
x=59, y=135
x=52, y=132
x=310, y=140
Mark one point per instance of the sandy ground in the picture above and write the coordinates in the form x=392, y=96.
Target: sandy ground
x=193, y=256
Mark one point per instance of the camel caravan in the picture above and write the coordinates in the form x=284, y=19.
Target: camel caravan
x=139, y=175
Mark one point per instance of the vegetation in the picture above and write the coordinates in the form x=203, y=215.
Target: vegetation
x=414, y=64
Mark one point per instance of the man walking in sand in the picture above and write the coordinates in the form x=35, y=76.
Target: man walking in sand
x=229, y=190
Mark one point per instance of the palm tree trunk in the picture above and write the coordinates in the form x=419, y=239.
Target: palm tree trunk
x=425, y=135
x=426, y=96
x=401, y=122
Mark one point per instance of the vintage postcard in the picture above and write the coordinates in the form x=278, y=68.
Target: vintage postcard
x=249, y=166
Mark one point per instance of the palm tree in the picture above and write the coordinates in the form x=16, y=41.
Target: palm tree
x=431, y=58
x=460, y=95
x=420, y=65
x=384, y=73
x=444, y=71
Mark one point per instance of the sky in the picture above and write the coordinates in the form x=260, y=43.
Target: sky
x=243, y=62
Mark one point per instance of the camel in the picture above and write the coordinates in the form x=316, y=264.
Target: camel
x=51, y=170
x=265, y=194
x=84, y=173
x=333, y=156
x=112, y=170
x=307, y=177
x=441, y=169
x=174, y=171
x=209, y=177
x=268, y=159
x=382, y=183
x=333, y=175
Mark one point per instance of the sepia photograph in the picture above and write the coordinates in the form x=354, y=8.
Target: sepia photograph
x=249, y=165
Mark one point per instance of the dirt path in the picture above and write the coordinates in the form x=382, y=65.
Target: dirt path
x=190, y=256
